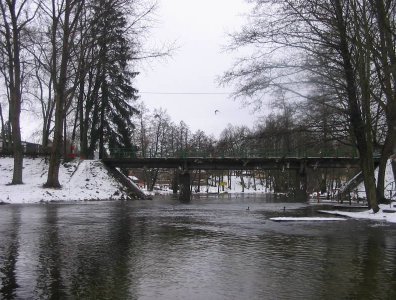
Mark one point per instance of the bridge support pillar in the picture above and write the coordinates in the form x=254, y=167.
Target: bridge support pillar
x=184, y=186
x=175, y=182
x=301, y=183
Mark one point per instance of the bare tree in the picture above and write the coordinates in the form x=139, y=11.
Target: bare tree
x=16, y=15
x=382, y=48
x=337, y=36
x=64, y=16
x=41, y=82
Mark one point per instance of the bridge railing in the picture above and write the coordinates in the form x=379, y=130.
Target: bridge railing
x=233, y=153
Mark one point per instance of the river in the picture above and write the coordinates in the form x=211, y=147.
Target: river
x=209, y=248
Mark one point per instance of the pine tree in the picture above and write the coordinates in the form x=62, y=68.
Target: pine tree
x=114, y=77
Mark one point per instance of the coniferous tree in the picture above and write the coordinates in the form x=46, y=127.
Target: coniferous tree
x=113, y=77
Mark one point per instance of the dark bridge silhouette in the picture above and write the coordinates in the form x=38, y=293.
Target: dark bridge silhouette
x=234, y=163
x=233, y=160
x=185, y=162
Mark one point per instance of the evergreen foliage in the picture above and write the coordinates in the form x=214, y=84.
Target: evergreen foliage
x=114, y=77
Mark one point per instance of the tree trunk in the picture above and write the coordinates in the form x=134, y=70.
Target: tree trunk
x=54, y=163
x=361, y=131
x=17, y=146
x=381, y=180
x=12, y=41
x=154, y=179
x=199, y=181
x=3, y=136
x=175, y=182
x=385, y=155
x=102, y=116
x=60, y=92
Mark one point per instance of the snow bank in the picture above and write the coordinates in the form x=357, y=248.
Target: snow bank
x=390, y=186
x=387, y=213
x=80, y=180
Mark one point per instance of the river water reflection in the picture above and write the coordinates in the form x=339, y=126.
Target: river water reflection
x=210, y=248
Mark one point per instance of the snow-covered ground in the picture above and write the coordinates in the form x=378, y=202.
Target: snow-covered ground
x=80, y=180
x=387, y=213
x=236, y=187
x=390, y=186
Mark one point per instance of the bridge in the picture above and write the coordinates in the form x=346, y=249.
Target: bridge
x=234, y=160
x=233, y=163
x=186, y=161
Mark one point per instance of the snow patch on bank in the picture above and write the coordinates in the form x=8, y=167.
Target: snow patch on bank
x=80, y=180
x=387, y=213
x=390, y=186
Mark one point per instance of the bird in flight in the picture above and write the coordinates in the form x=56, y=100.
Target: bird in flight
x=216, y=111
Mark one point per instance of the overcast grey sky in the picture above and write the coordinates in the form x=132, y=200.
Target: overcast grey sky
x=199, y=28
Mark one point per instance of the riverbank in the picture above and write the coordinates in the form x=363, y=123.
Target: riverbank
x=84, y=180
x=81, y=180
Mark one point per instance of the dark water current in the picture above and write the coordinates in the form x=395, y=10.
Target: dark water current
x=211, y=248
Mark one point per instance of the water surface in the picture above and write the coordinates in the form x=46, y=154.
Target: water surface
x=210, y=248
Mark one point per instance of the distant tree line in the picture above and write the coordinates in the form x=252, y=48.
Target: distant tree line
x=156, y=135
x=71, y=63
x=335, y=59
x=288, y=131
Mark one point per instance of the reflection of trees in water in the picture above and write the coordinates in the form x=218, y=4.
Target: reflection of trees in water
x=338, y=269
x=377, y=276
x=356, y=265
x=9, y=251
x=344, y=261
x=120, y=251
x=49, y=283
x=105, y=258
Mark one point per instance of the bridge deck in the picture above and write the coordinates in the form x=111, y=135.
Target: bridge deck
x=228, y=163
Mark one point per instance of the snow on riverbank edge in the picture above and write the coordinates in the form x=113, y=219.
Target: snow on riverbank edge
x=387, y=213
x=80, y=179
